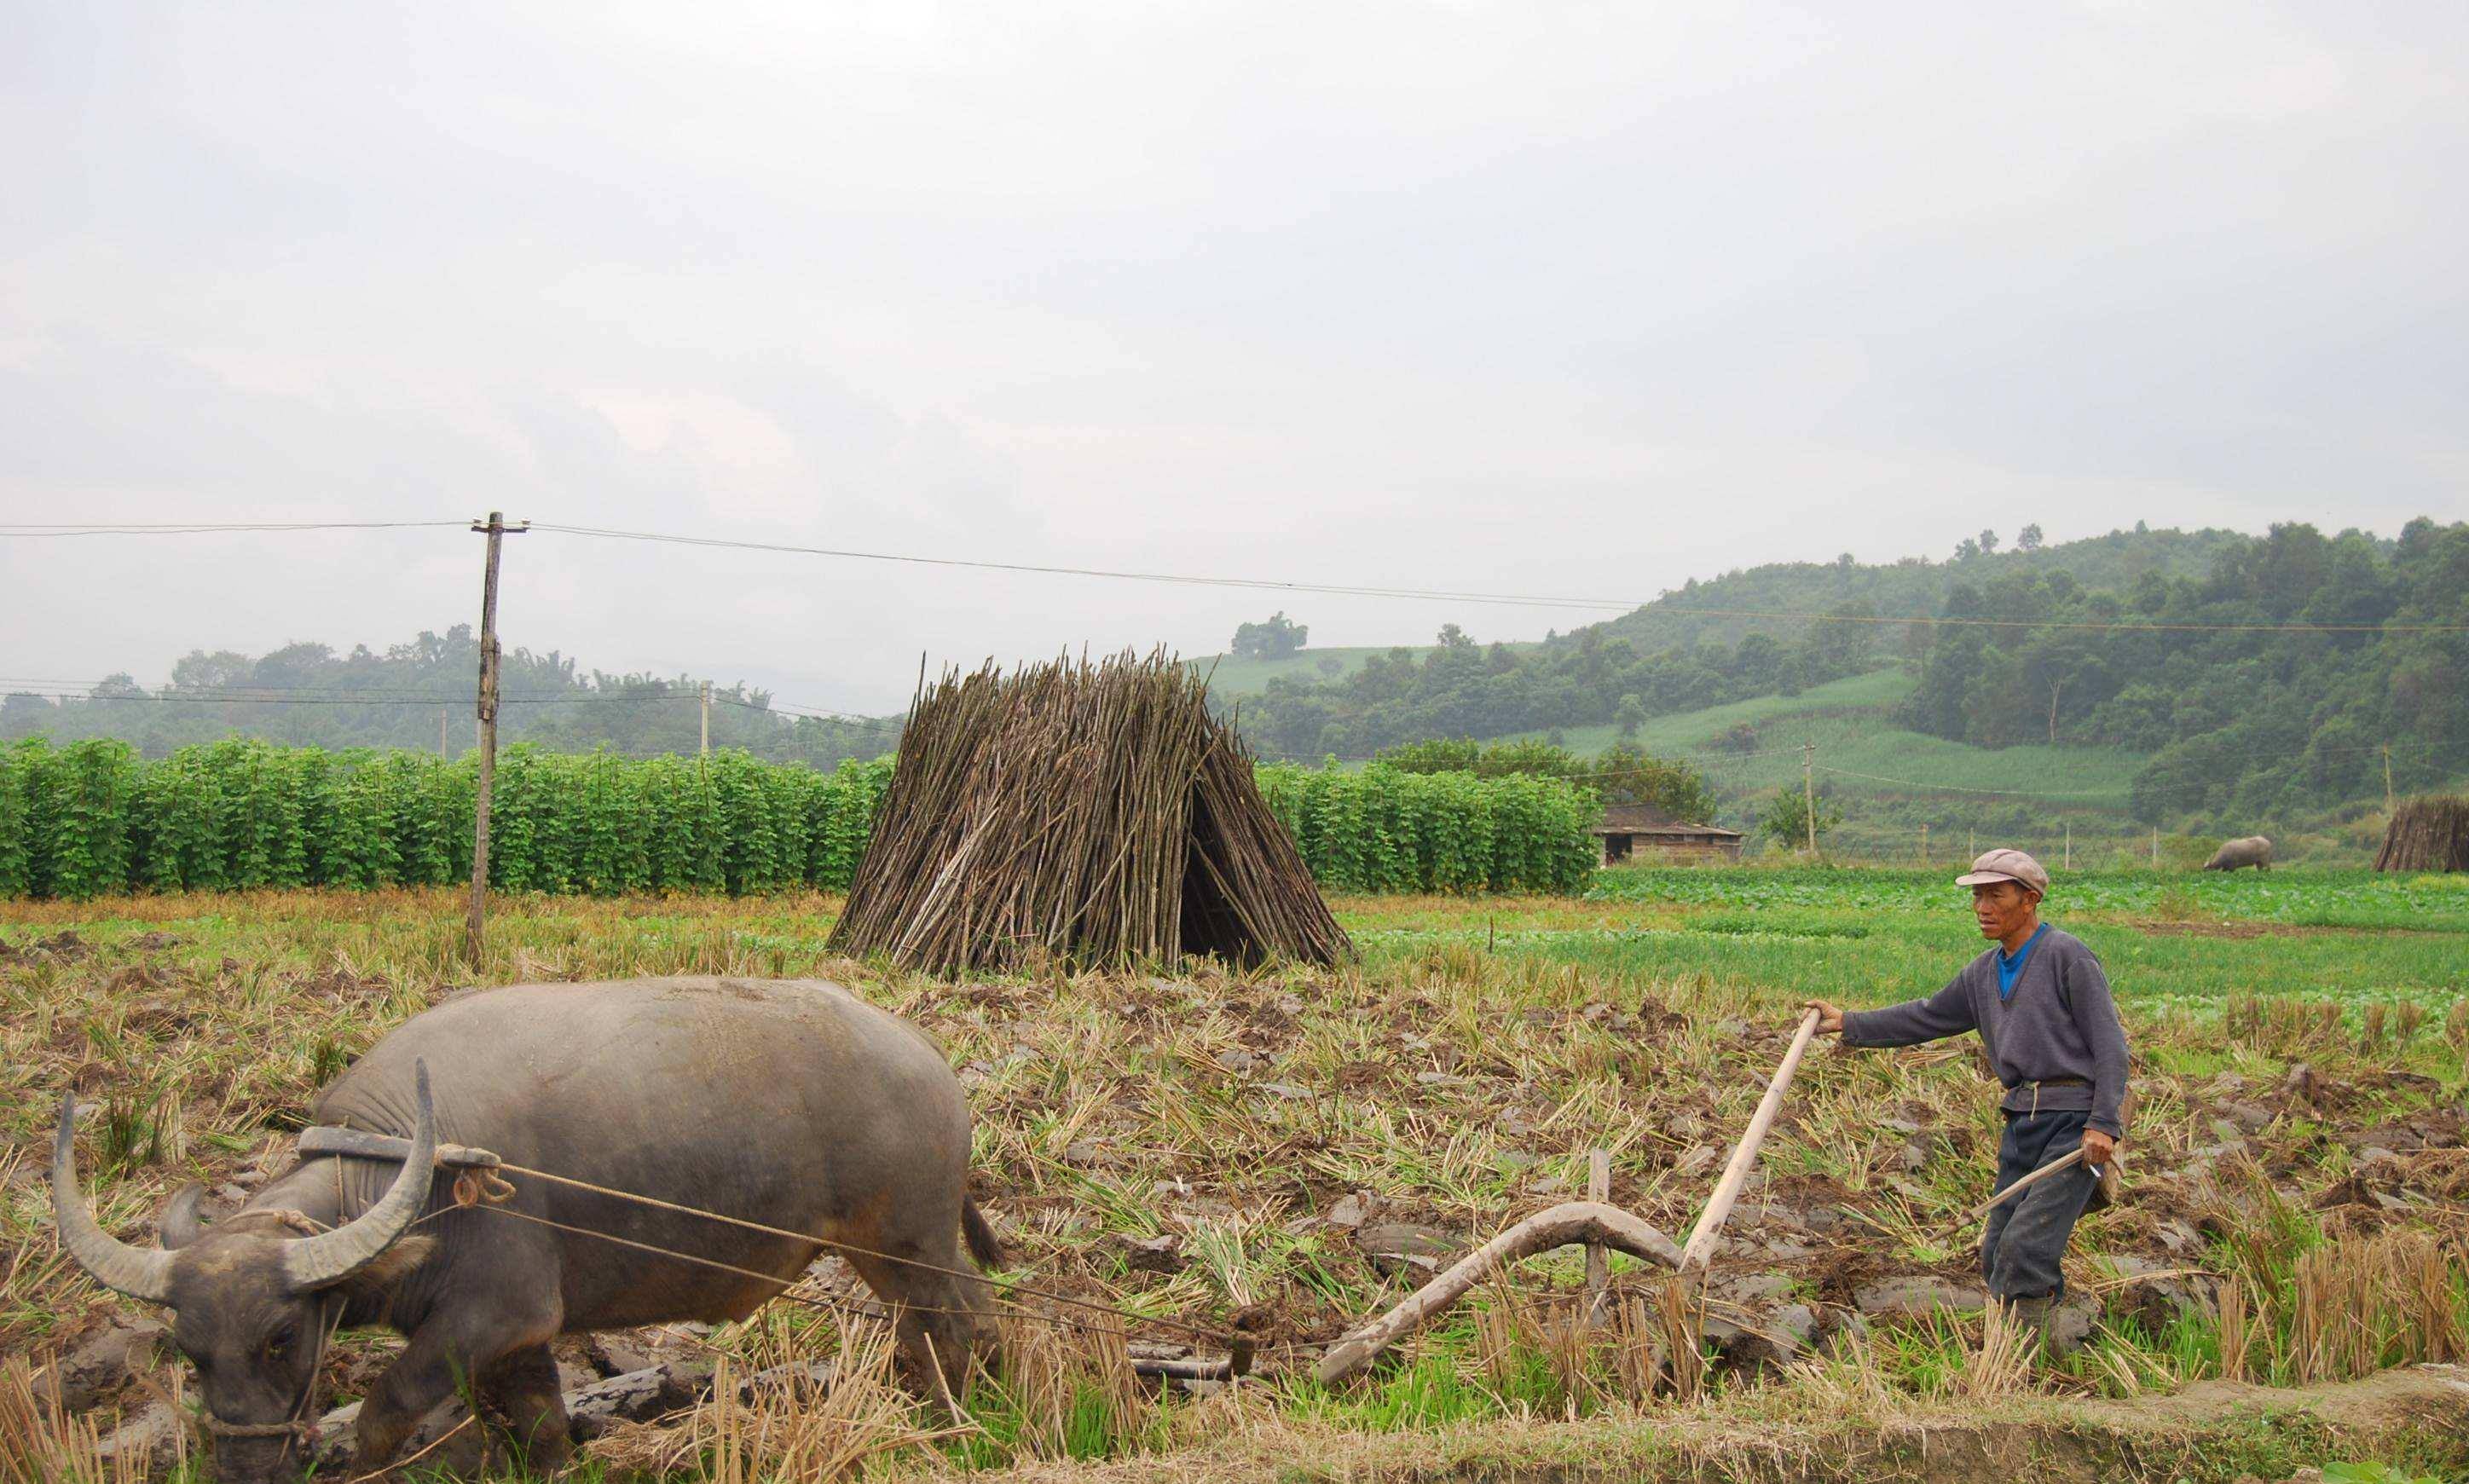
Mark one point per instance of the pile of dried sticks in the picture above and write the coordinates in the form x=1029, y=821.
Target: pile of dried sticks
x=2428, y=834
x=1094, y=814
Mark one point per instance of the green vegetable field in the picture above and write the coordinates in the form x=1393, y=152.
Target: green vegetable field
x=95, y=819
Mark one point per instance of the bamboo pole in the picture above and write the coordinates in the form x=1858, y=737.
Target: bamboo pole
x=1718, y=1207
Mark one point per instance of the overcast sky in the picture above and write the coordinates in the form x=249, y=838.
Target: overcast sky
x=1530, y=297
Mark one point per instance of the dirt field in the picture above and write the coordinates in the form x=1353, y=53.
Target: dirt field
x=1299, y=1150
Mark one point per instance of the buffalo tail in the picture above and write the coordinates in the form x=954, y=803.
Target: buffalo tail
x=983, y=1245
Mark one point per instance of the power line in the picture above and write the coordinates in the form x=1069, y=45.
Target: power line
x=1653, y=607
x=1657, y=607
x=219, y=528
x=298, y=698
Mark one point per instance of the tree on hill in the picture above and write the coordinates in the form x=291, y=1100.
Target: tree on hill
x=1272, y=638
x=2029, y=537
x=1627, y=717
x=1787, y=818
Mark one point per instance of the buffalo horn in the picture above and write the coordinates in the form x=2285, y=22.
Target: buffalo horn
x=140, y=1272
x=320, y=1261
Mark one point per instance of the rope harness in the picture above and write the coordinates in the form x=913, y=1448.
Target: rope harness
x=480, y=1185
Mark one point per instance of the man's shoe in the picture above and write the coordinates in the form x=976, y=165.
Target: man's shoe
x=2052, y=1330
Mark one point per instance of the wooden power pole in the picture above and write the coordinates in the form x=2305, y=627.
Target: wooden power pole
x=707, y=719
x=1809, y=791
x=473, y=932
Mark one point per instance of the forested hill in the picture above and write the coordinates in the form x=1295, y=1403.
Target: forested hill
x=1915, y=584
x=2235, y=722
x=419, y=696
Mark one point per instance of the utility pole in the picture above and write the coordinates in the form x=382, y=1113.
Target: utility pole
x=707, y=719
x=2387, y=788
x=2071, y=845
x=445, y=714
x=2156, y=847
x=495, y=529
x=1809, y=791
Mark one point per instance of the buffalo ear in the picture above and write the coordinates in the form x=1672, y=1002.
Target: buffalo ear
x=180, y=1224
x=399, y=1260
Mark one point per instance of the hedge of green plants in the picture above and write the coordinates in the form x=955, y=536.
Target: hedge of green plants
x=94, y=819
x=1381, y=829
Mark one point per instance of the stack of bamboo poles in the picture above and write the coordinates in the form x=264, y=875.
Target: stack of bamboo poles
x=2429, y=833
x=1094, y=814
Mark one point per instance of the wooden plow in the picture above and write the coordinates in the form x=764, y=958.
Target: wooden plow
x=1594, y=1222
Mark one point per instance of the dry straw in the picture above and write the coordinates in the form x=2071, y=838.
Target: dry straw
x=2429, y=833
x=1091, y=814
x=40, y=1444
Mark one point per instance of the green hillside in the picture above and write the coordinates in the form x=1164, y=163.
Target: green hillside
x=1912, y=585
x=1953, y=787
x=1233, y=676
x=2205, y=682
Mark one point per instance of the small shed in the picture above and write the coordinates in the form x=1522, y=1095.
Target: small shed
x=1632, y=829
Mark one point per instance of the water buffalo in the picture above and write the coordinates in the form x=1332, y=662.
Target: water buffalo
x=2252, y=850
x=792, y=1104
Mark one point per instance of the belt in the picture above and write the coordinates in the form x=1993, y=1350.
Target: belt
x=2049, y=1081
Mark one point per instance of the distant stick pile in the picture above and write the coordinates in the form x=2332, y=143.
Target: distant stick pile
x=2429, y=833
x=1096, y=814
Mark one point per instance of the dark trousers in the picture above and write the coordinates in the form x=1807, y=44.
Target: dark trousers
x=2026, y=1245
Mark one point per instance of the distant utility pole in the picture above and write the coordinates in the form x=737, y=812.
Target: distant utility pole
x=445, y=714
x=1809, y=791
x=2387, y=788
x=496, y=530
x=2070, y=846
x=707, y=719
x=2156, y=847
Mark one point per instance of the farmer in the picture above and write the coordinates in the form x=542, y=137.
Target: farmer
x=2042, y=1007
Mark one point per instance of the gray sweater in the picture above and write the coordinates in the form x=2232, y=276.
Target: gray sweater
x=2059, y=1022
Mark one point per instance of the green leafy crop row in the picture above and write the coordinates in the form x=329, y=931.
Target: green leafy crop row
x=93, y=819
x=1382, y=830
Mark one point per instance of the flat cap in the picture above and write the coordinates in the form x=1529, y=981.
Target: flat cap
x=2006, y=865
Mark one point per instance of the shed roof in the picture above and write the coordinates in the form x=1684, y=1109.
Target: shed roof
x=1671, y=831
x=1647, y=820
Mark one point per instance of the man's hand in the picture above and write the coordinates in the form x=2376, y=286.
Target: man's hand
x=2098, y=1147
x=1830, y=1019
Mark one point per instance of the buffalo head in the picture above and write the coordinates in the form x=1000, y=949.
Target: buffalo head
x=254, y=1297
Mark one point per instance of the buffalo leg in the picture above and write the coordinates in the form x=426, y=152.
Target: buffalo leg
x=524, y=1385
x=940, y=1316
x=462, y=1344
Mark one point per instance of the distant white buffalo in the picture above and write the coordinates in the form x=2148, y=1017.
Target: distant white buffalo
x=2253, y=850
